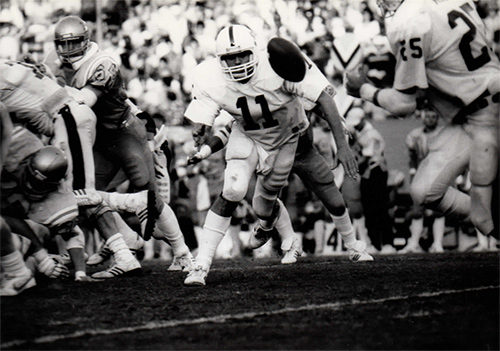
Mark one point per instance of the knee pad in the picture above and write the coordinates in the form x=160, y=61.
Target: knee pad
x=484, y=164
x=235, y=187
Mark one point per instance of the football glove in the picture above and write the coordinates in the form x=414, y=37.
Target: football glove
x=52, y=268
x=204, y=152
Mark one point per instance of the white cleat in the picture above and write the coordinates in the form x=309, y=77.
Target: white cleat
x=122, y=269
x=196, y=277
x=291, y=255
x=259, y=237
x=105, y=253
x=12, y=285
x=183, y=263
x=357, y=252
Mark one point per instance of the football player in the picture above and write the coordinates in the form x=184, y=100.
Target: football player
x=36, y=100
x=316, y=175
x=442, y=47
x=16, y=276
x=121, y=139
x=262, y=91
x=34, y=190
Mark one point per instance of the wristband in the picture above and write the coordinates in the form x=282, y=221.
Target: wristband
x=205, y=151
x=368, y=91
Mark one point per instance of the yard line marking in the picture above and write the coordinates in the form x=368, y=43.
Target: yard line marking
x=226, y=317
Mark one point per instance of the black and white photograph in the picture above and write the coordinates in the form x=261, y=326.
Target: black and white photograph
x=249, y=175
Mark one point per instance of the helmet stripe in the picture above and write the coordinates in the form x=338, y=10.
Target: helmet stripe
x=231, y=36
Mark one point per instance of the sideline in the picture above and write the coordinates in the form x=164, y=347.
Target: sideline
x=223, y=318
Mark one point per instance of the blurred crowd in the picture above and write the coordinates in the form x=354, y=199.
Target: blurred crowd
x=159, y=42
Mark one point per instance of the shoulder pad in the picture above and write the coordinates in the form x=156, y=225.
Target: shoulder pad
x=414, y=22
x=286, y=59
x=101, y=70
x=15, y=73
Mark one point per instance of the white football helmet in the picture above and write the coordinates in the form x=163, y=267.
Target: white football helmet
x=232, y=40
x=72, y=39
x=389, y=7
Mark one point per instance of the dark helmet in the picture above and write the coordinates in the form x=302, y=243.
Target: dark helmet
x=72, y=39
x=45, y=169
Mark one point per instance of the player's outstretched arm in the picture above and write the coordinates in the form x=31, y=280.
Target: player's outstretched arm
x=396, y=102
x=332, y=116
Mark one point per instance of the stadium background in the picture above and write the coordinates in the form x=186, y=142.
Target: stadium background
x=399, y=302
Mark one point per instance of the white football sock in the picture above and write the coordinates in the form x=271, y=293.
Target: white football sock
x=13, y=263
x=214, y=230
x=167, y=227
x=345, y=228
x=120, y=249
x=284, y=227
x=438, y=230
x=416, y=229
x=132, y=239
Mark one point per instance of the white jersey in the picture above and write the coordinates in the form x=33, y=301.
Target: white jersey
x=30, y=96
x=267, y=108
x=442, y=45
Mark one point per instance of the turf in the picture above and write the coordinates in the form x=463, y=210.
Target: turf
x=398, y=302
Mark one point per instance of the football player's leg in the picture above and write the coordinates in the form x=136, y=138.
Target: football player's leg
x=86, y=123
x=317, y=176
x=125, y=262
x=236, y=179
x=16, y=276
x=267, y=208
x=268, y=186
x=483, y=171
x=139, y=168
x=432, y=185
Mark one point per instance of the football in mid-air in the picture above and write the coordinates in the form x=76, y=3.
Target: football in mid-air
x=286, y=59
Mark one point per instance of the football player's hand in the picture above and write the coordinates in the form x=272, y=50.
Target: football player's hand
x=205, y=151
x=348, y=160
x=355, y=79
x=52, y=268
x=200, y=134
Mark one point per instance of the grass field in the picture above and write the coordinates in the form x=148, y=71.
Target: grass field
x=398, y=302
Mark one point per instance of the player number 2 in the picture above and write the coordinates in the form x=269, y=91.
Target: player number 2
x=250, y=124
x=471, y=62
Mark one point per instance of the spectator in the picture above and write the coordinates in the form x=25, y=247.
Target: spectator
x=373, y=185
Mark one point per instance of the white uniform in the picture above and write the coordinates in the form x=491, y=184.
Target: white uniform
x=439, y=161
x=35, y=100
x=269, y=116
x=442, y=46
x=31, y=97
